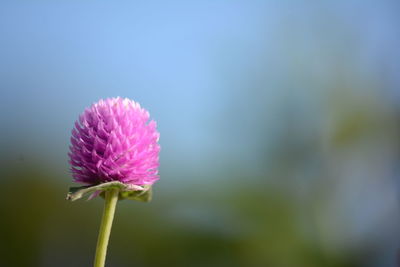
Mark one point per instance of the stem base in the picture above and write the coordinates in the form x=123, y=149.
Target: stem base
x=111, y=198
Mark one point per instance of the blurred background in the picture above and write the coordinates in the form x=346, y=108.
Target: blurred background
x=279, y=125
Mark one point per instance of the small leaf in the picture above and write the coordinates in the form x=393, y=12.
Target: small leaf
x=133, y=192
x=144, y=195
x=78, y=192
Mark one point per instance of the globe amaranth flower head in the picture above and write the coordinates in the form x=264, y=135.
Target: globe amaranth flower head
x=113, y=141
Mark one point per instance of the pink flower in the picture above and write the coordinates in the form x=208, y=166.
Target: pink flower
x=113, y=141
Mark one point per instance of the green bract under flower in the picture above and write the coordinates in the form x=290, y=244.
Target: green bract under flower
x=143, y=193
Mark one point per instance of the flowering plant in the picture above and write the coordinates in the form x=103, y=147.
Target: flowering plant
x=114, y=153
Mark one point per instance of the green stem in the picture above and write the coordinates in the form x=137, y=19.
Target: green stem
x=111, y=198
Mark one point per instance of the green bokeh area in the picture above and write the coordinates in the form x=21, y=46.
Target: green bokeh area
x=260, y=223
x=214, y=227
